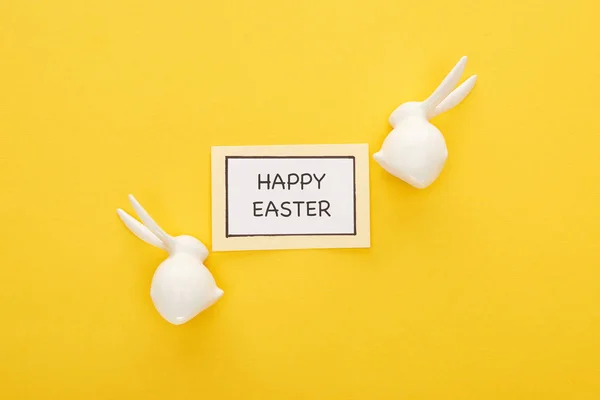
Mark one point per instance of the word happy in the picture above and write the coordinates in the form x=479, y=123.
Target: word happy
x=286, y=209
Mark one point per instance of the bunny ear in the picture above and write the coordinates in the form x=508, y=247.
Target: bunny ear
x=455, y=97
x=444, y=89
x=140, y=230
x=149, y=222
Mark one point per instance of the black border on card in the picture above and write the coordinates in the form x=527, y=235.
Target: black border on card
x=228, y=235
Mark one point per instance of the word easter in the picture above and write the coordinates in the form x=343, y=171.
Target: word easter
x=296, y=208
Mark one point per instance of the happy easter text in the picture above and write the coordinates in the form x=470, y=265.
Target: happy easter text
x=301, y=208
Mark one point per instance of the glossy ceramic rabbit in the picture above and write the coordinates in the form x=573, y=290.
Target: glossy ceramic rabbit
x=182, y=286
x=415, y=150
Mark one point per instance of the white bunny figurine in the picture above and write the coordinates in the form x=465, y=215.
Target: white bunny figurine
x=415, y=150
x=182, y=286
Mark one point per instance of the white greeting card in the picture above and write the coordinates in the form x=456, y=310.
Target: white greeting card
x=290, y=197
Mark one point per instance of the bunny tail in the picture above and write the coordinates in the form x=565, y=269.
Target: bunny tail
x=379, y=157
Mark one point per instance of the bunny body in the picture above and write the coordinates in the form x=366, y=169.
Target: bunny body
x=182, y=286
x=415, y=150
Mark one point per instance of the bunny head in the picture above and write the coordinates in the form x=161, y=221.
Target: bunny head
x=406, y=110
x=191, y=245
x=415, y=151
x=182, y=286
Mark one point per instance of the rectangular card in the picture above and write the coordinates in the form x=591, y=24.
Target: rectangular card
x=290, y=197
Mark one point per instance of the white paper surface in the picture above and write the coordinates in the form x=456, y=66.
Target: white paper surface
x=297, y=196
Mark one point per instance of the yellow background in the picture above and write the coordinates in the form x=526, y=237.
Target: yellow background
x=484, y=286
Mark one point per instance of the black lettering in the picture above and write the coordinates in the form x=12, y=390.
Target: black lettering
x=284, y=207
x=267, y=182
x=323, y=207
x=309, y=208
x=319, y=180
x=298, y=203
x=289, y=180
x=257, y=209
x=305, y=182
x=278, y=181
x=271, y=208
